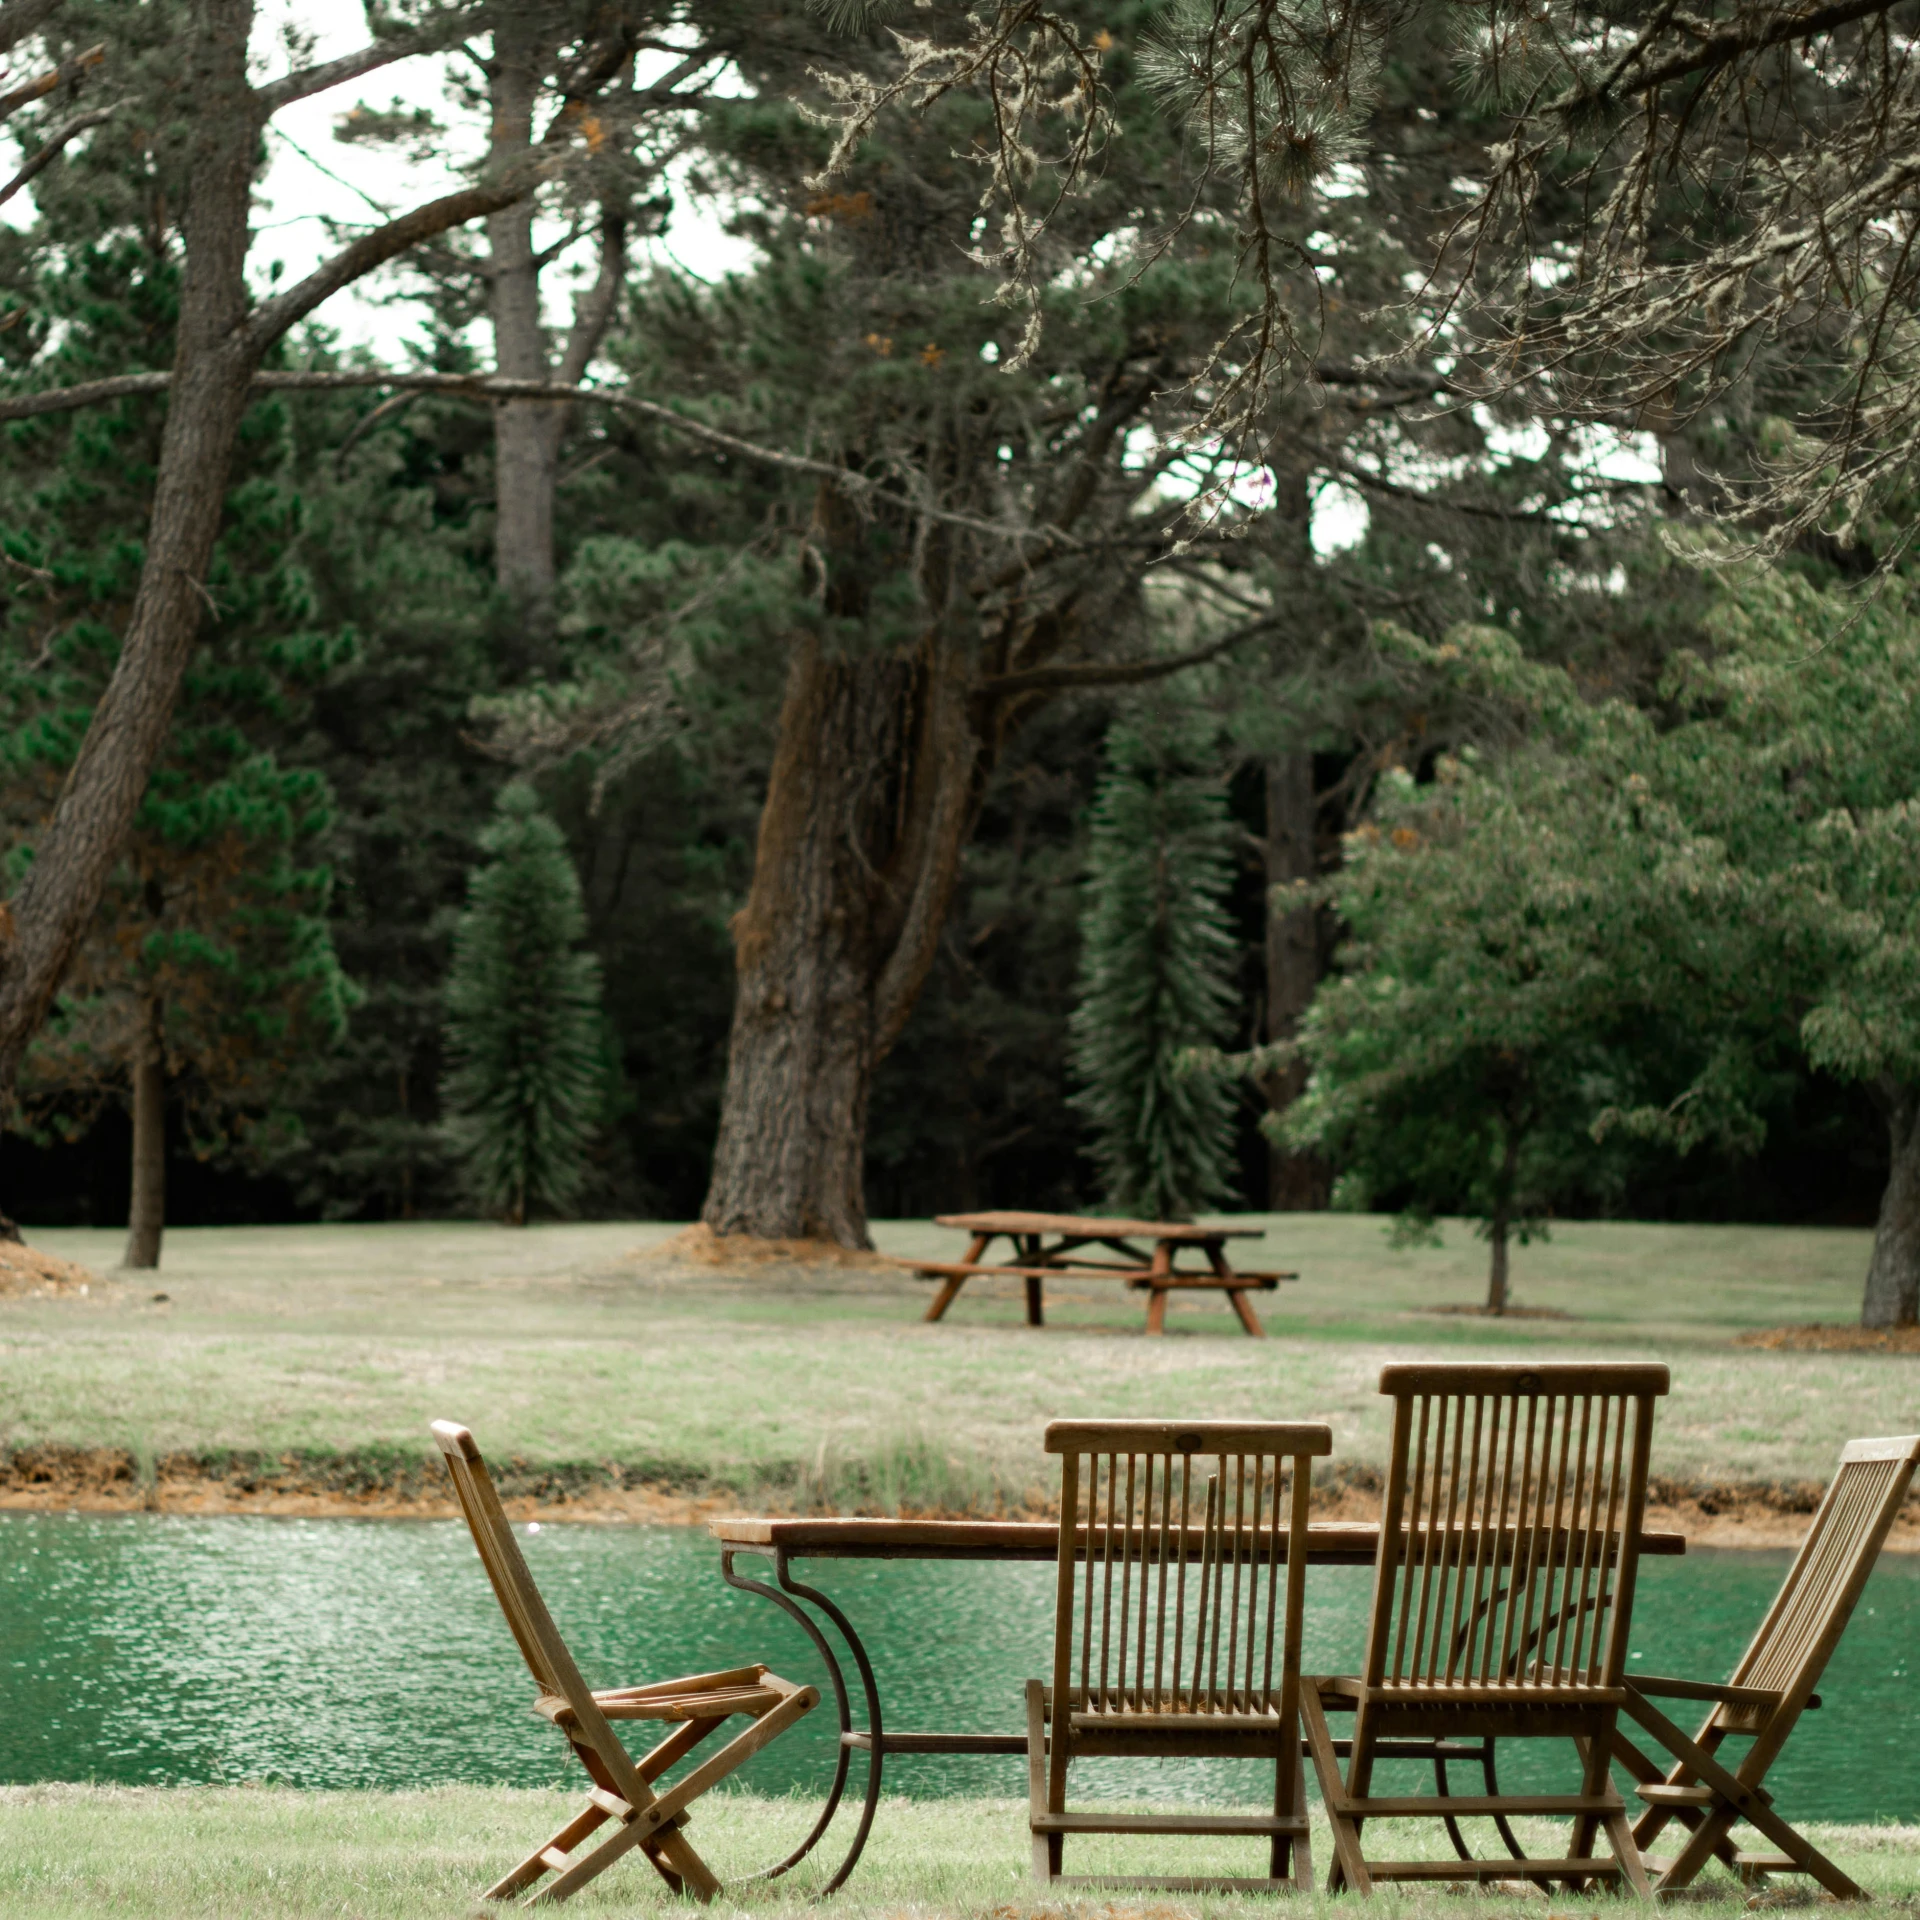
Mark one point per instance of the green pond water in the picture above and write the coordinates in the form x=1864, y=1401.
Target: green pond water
x=338, y=1653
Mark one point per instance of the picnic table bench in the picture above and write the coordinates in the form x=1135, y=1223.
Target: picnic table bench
x=1048, y=1246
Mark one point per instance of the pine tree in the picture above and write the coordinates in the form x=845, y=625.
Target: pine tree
x=1156, y=979
x=523, y=1093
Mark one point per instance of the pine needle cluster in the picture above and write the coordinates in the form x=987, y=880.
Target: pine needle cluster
x=1156, y=983
x=524, y=1088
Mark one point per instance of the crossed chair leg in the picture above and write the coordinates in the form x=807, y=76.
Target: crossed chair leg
x=1724, y=1800
x=653, y=1828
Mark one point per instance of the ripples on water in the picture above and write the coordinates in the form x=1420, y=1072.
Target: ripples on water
x=339, y=1653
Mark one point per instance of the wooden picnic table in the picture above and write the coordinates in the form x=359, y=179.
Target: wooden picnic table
x=1048, y=1245
x=1335, y=1543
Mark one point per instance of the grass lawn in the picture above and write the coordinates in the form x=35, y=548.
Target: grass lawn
x=179, y=1853
x=568, y=1344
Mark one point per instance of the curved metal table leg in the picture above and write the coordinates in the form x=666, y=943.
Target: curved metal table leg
x=1493, y=1789
x=787, y=1596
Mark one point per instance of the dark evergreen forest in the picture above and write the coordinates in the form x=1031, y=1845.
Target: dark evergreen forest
x=386, y=645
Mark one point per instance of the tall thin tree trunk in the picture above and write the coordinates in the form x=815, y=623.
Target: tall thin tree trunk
x=147, y=1203
x=1296, y=1182
x=870, y=799
x=212, y=368
x=1500, y=1220
x=526, y=440
x=1892, y=1296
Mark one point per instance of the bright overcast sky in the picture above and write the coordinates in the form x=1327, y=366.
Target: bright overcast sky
x=312, y=178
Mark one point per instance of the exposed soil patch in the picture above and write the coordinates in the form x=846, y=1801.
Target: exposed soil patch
x=382, y=1485
x=1833, y=1339
x=27, y=1273
x=699, y=1246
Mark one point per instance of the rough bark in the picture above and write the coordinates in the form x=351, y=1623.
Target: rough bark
x=872, y=794
x=147, y=1202
x=212, y=368
x=1892, y=1296
x=527, y=433
x=1296, y=1182
x=526, y=437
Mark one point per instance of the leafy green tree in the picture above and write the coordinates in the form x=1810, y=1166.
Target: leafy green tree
x=1657, y=908
x=1156, y=981
x=1482, y=1017
x=526, y=1079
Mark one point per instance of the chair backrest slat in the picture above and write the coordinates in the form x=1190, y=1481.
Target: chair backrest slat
x=545, y=1653
x=1794, y=1642
x=1510, y=1525
x=1174, y=1535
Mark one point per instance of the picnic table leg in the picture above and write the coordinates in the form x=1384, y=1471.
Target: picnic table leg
x=1217, y=1259
x=1160, y=1269
x=950, y=1287
x=1036, y=1309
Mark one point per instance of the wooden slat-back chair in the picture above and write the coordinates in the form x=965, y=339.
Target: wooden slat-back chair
x=623, y=1787
x=1182, y=1571
x=1502, y=1599
x=1770, y=1688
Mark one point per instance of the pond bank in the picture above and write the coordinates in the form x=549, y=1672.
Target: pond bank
x=384, y=1484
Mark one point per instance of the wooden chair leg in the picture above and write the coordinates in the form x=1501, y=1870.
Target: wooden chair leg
x=1349, y=1868
x=1301, y=1842
x=1046, y=1846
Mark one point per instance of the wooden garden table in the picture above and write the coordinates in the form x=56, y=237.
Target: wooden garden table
x=1330, y=1543
x=1049, y=1244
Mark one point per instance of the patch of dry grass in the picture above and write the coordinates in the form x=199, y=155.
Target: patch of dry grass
x=565, y=1345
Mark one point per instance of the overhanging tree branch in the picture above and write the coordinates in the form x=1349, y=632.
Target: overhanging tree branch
x=69, y=129
x=1079, y=676
x=350, y=66
x=65, y=74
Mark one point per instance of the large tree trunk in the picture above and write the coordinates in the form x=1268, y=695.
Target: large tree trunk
x=212, y=368
x=1296, y=1182
x=1892, y=1297
x=147, y=1203
x=872, y=793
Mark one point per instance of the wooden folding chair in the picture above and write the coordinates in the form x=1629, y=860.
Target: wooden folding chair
x=623, y=1787
x=1770, y=1689
x=1174, y=1633
x=1502, y=1597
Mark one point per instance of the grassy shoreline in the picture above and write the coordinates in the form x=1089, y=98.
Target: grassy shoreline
x=295, y=1369
x=74, y=1852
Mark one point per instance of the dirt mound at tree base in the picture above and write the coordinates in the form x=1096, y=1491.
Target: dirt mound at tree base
x=1833, y=1339
x=27, y=1273
x=699, y=1246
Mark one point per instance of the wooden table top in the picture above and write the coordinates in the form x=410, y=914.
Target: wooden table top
x=1092, y=1227
x=1332, y=1543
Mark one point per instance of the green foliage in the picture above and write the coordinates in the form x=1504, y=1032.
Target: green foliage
x=525, y=1085
x=1624, y=929
x=1156, y=982
x=215, y=925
